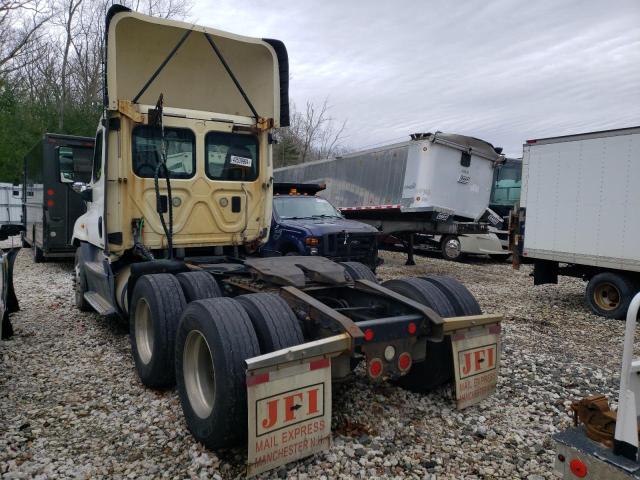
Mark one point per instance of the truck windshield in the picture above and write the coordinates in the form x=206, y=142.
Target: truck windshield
x=304, y=207
x=231, y=156
x=180, y=144
x=506, y=184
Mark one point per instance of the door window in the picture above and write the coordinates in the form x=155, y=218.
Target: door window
x=231, y=156
x=180, y=145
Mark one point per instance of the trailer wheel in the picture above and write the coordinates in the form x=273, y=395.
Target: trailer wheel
x=462, y=300
x=156, y=305
x=608, y=294
x=451, y=248
x=275, y=323
x=198, y=286
x=80, y=286
x=437, y=368
x=214, y=339
x=358, y=271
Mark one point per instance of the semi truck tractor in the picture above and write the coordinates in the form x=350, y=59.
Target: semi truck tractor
x=578, y=214
x=180, y=195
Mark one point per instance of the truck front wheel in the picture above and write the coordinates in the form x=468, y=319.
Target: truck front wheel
x=156, y=306
x=608, y=294
x=451, y=248
x=214, y=339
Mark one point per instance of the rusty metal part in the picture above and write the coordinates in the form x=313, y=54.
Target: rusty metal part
x=436, y=322
x=129, y=110
x=452, y=324
x=598, y=419
x=318, y=311
x=265, y=124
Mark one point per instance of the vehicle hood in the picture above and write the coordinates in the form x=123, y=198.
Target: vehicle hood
x=325, y=226
x=137, y=45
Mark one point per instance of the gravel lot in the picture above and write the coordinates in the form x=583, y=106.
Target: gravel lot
x=71, y=404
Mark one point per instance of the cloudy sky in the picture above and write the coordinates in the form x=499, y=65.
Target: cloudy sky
x=502, y=70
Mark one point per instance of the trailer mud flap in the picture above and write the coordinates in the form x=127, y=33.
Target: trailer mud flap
x=289, y=414
x=476, y=359
x=8, y=300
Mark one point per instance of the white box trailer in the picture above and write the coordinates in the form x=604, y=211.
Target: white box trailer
x=437, y=184
x=10, y=210
x=579, y=213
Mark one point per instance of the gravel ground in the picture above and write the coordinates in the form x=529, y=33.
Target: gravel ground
x=71, y=405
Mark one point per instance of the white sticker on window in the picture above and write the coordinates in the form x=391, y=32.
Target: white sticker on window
x=241, y=161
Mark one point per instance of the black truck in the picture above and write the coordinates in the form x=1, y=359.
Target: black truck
x=49, y=206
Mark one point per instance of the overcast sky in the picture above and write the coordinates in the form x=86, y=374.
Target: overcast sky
x=502, y=70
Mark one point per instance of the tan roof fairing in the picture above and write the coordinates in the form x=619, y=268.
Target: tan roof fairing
x=194, y=78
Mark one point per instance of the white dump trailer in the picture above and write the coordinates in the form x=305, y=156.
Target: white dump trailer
x=579, y=214
x=435, y=183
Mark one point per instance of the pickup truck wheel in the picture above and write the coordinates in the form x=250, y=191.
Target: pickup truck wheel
x=80, y=286
x=214, y=339
x=451, y=248
x=275, y=323
x=437, y=368
x=358, y=271
x=462, y=300
x=198, y=286
x=156, y=305
x=608, y=294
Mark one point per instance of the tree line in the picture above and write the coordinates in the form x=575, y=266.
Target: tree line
x=51, y=54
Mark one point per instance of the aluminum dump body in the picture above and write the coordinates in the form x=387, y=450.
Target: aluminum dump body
x=431, y=173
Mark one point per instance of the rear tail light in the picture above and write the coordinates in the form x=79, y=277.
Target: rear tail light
x=375, y=367
x=578, y=468
x=368, y=334
x=412, y=328
x=50, y=203
x=404, y=361
x=50, y=191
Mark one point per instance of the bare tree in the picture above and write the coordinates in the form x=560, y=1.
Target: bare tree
x=21, y=21
x=312, y=135
x=67, y=19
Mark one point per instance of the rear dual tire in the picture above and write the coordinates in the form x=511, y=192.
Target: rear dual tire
x=449, y=298
x=609, y=294
x=214, y=339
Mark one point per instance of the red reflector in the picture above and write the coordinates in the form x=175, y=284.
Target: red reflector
x=375, y=367
x=51, y=191
x=318, y=364
x=494, y=329
x=458, y=336
x=404, y=361
x=561, y=457
x=578, y=468
x=50, y=203
x=411, y=328
x=368, y=334
x=257, y=379
x=531, y=141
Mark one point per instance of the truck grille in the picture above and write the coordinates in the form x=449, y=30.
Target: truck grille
x=357, y=245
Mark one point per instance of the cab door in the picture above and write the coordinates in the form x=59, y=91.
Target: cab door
x=93, y=221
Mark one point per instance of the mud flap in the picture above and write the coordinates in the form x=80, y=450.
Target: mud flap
x=289, y=403
x=8, y=301
x=476, y=359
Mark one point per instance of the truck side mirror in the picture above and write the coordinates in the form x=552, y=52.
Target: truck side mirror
x=84, y=190
x=65, y=164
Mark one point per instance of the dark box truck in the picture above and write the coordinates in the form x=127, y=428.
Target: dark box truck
x=49, y=206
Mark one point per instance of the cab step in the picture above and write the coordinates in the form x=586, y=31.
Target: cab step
x=102, y=306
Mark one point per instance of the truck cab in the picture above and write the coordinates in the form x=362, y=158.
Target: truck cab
x=304, y=224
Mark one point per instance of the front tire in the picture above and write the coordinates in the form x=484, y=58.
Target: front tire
x=451, y=248
x=608, y=294
x=214, y=339
x=80, y=286
x=156, y=306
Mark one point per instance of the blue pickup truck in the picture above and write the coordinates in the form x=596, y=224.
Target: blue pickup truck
x=304, y=224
